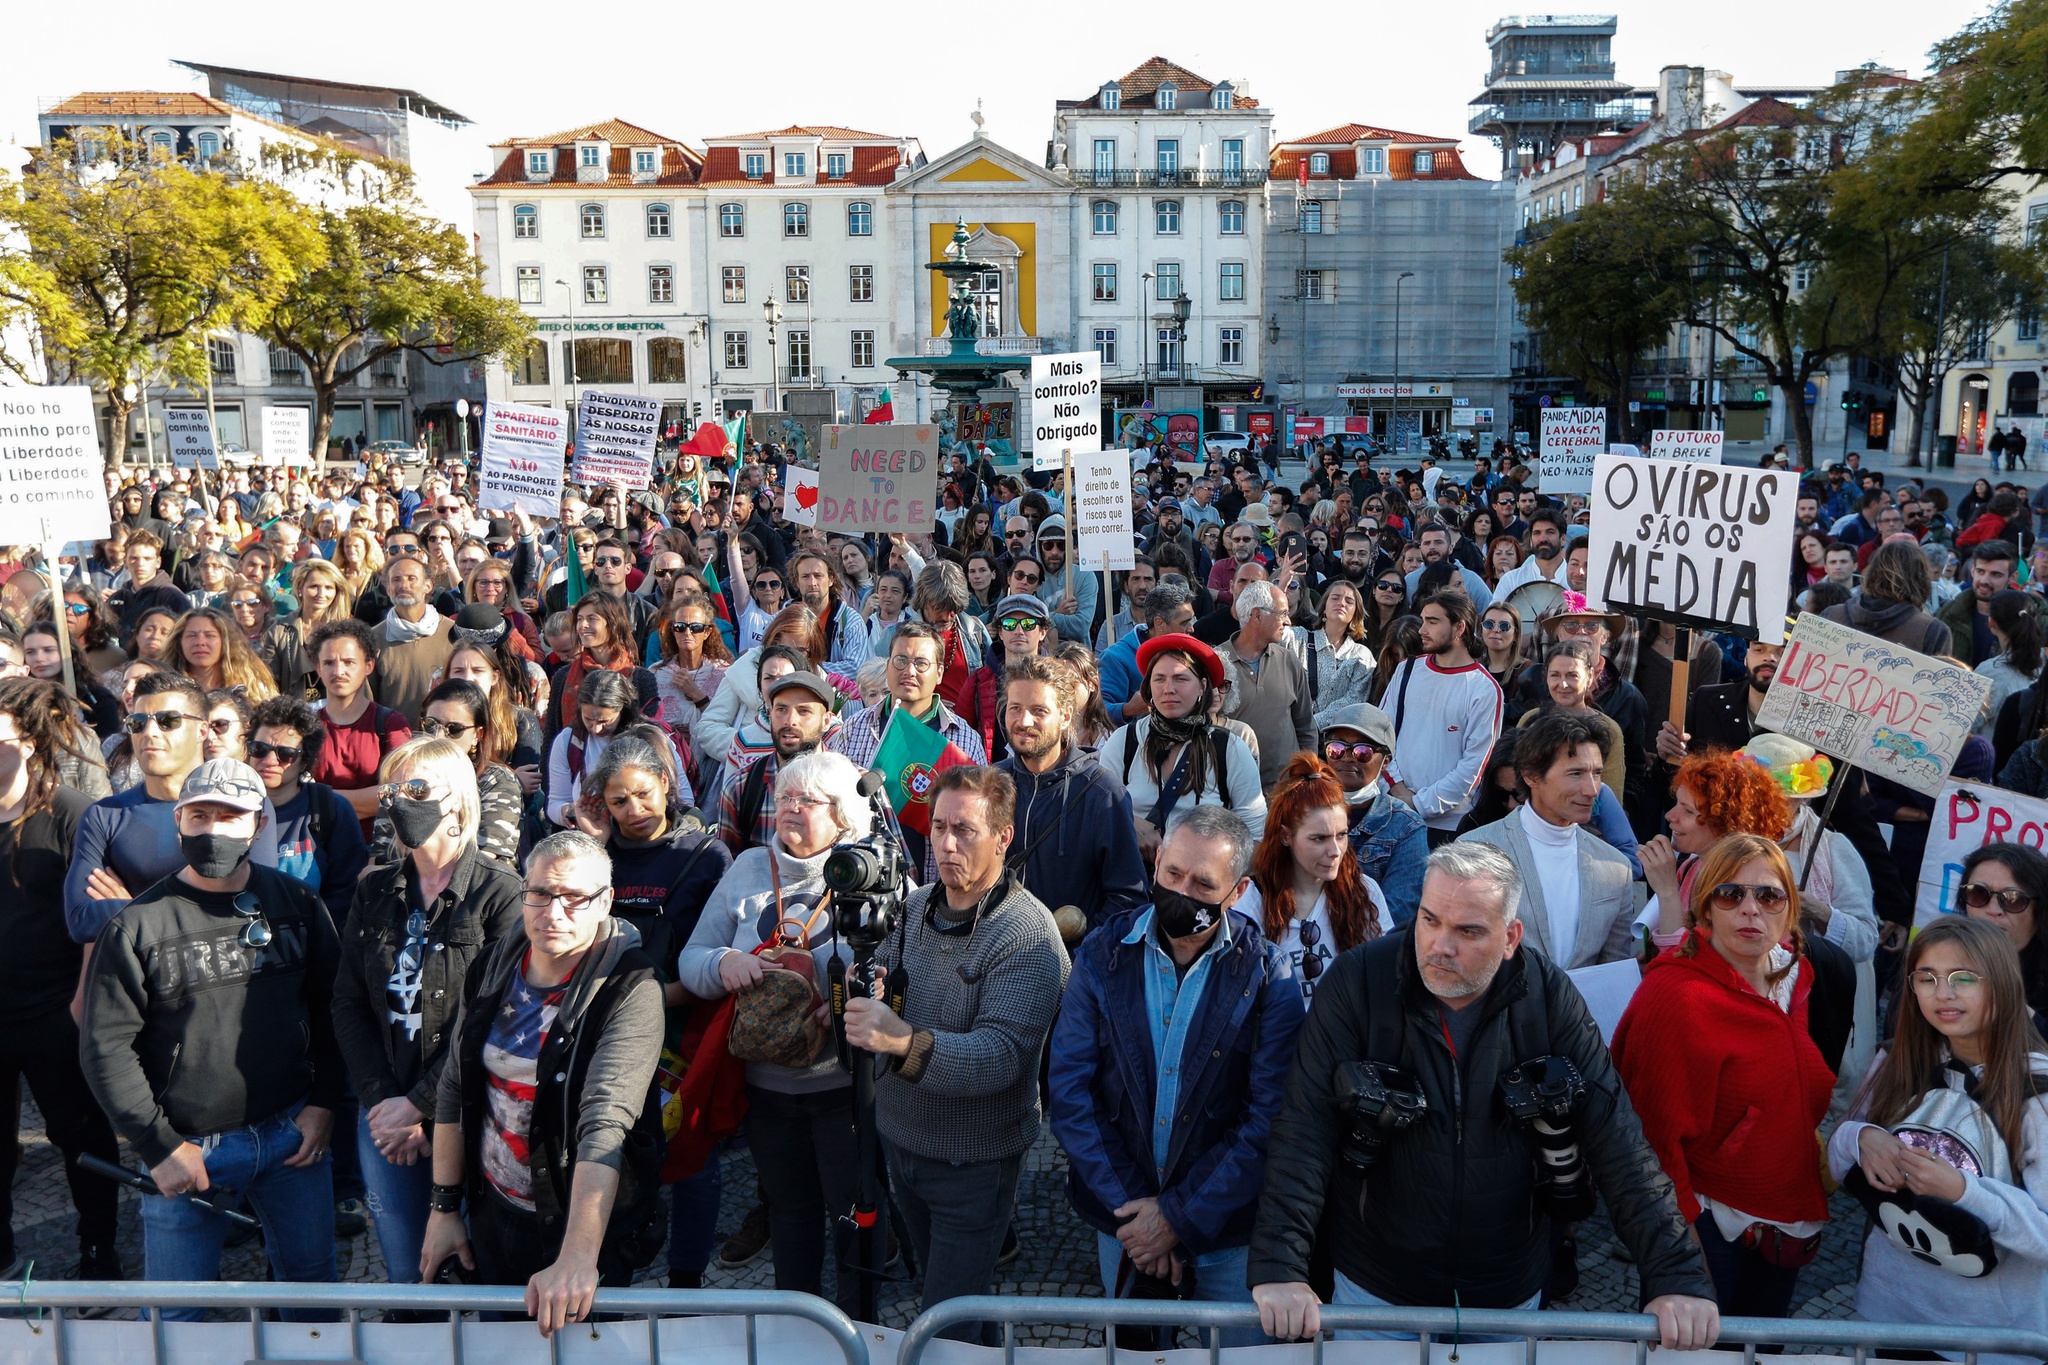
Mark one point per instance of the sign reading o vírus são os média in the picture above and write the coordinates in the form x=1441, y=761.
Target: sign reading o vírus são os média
x=1065, y=407
x=52, y=478
x=1696, y=545
x=1564, y=454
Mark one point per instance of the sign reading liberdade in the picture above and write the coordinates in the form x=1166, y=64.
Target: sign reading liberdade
x=51, y=476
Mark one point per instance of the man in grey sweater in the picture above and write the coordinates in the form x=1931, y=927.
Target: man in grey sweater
x=959, y=1104
x=1269, y=687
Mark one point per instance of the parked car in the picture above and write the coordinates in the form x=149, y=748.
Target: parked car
x=402, y=451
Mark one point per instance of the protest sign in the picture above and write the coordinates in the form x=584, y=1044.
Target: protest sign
x=800, y=497
x=521, y=459
x=1703, y=447
x=1066, y=406
x=287, y=436
x=615, y=438
x=1102, y=512
x=1889, y=711
x=1692, y=544
x=190, y=437
x=1967, y=816
x=52, y=479
x=882, y=477
x=1620, y=449
x=1564, y=456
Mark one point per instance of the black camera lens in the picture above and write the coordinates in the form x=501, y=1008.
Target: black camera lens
x=851, y=869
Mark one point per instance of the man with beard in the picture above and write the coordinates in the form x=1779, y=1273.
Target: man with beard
x=1076, y=841
x=1435, y=539
x=1360, y=557
x=1241, y=546
x=799, y=717
x=1071, y=594
x=413, y=654
x=1170, y=528
x=846, y=633
x=1444, y=729
x=1545, y=541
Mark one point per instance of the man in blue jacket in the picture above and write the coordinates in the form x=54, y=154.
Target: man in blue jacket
x=1169, y=1060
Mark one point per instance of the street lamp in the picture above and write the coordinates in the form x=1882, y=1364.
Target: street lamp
x=1398, y=280
x=570, y=290
x=772, y=310
x=1183, y=308
x=1144, y=343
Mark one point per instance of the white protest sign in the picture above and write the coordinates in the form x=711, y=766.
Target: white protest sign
x=52, y=478
x=1692, y=544
x=1967, y=816
x=1066, y=406
x=1102, y=512
x=521, y=459
x=1889, y=711
x=1564, y=456
x=800, y=497
x=287, y=436
x=615, y=435
x=190, y=437
x=1619, y=449
x=882, y=476
x=1607, y=989
x=1701, y=446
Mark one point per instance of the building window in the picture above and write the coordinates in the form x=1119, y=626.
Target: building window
x=1105, y=155
x=1105, y=344
x=209, y=146
x=661, y=284
x=537, y=163
x=668, y=361
x=659, y=223
x=799, y=349
x=595, y=287
x=1105, y=217
x=987, y=289
x=1165, y=97
x=1425, y=163
x=796, y=220
x=525, y=221
x=736, y=351
x=1166, y=156
x=1166, y=217
x=1319, y=163
x=1550, y=206
x=1230, y=281
x=1166, y=276
x=1373, y=161
x=863, y=350
x=1578, y=196
x=1230, y=218
x=1105, y=282
x=533, y=366
x=220, y=358
x=1112, y=97
x=587, y=158
x=163, y=146
x=593, y=220
x=732, y=220
x=2037, y=224
x=796, y=284
x=1168, y=350
x=1230, y=346
x=860, y=284
x=1219, y=98
x=1308, y=284
x=735, y=281
x=643, y=162
x=1802, y=277
x=603, y=360
x=1233, y=156
x=2028, y=328
x=529, y=284
x=835, y=166
x=795, y=165
x=860, y=219
x=1311, y=218
x=285, y=367
x=757, y=166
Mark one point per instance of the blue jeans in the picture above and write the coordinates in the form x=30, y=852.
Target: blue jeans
x=1745, y=1284
x=246, y=1166
x=397, y=1199
x=693, y=1219
x=1351, y=1296
x=1219, y=1278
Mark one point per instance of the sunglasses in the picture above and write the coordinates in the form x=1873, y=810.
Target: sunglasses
x=450, y=729
x=166, y=721
x=1021, y=623
x=76, y=608
x=412, y=789
x=1496, y=627
x=1311, y=963
x=256, y=930
x=2011, y=900
x=767, y=585
x=1389, y=587
x=1362, y=752
x=286, y=754
x=1729, y=895
x=245, y=603
x=609, y=562
x=691, y=627
x=1027, y=582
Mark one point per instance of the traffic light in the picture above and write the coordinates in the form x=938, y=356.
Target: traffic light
x=1852, y=402
x=696, y=412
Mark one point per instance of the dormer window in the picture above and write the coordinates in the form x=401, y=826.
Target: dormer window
x=644, y=161
x=757, y=165
x=795, y=165
x=1319, y=163
x=1425, y=163
x=1219, y=98
x=1112, y=96
x=1373, y=161
x=540, y=165
x=1165, y=98
x=587, y=158
x=835, y=166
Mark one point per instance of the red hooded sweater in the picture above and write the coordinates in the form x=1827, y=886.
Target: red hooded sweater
x=1730, y=1088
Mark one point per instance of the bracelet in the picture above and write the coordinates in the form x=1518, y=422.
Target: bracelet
x=445, y=1198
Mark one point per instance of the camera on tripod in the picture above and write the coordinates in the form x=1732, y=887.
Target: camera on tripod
x=1544, y=1093
x=1381, y=1101
x=868, y=877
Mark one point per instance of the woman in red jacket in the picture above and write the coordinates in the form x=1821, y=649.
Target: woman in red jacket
x=1718, y=1061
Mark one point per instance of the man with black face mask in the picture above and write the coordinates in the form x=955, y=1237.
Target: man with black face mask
x=209, y=1041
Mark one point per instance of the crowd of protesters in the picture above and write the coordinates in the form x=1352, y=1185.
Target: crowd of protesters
x=391, y=865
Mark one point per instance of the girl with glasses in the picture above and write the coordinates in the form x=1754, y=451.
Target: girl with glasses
x=508, y=683
x=460, y=713
x=1500, y=635
x=490, y=582
x=1308, y=892
x=2006, y=885
x=226, y=730
x=1386, y=601
x=211, y=573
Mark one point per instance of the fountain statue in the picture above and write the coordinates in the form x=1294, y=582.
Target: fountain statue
x=963, y=372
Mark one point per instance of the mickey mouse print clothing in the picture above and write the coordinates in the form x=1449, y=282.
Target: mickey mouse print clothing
x=511, y=1055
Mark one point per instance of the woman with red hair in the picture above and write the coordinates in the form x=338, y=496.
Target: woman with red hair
x=1308, y=892
x=1713, y=793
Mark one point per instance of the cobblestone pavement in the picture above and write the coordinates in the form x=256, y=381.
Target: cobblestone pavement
x=1057, y=1256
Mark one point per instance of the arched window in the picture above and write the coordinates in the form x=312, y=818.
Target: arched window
x=163, y=146
x=796, y=220
x=732, y=220
x=1311, y=215
x=209, y=146
x=525, y=221
x=1166, y=217
x=659, y=223
x=1105, y=218
x=1319, y=163
x=860, y=219
x=1230, y=217
x=593, y=220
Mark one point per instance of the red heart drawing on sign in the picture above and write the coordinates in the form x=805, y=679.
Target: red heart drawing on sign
x=807, y=496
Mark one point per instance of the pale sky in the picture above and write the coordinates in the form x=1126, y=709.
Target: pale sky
x=523, y=68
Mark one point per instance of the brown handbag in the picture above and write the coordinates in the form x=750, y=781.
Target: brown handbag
x=777, y=1018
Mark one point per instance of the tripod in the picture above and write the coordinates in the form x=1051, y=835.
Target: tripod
x=863, y=1223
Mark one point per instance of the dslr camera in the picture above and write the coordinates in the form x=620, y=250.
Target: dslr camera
x=1543, y=1094
x=1380, y=1101
x=868, y=877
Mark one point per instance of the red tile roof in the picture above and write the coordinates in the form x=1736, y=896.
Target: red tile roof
x=609, y=130
x=679, y=165
x=1767, y=113
x=872, y=165
x=821, y=130
x=139, y=104
x=1138, y=86
x=1349, y=133
x=1448, y=165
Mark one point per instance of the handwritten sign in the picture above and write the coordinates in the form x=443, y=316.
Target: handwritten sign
x=615, y=438
x=1102, y=510
x=1564, y=456
x=190, y=437
x=883, y=477
x=1692, y=544
x=1967, y=816
x=521, y=459
x=1888, y=710
x=1703, y=447
x=1066, y=406
x=51, y=475
x=287, y=436
x=800, y=498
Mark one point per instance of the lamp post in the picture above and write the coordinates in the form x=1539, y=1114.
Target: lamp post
x=1398, y=281
x=772, y=310
x=1144, y=343
x=1183, y=309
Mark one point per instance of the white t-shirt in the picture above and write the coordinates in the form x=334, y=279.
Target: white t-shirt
x=1318, y=940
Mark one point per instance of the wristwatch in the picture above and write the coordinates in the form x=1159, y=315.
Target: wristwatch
x=445, y=1198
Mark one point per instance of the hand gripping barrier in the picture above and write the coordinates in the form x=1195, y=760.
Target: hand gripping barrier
x=348, y=1302
x=1446, y=1325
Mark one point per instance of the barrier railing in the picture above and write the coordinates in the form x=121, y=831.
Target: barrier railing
x=349, y=1301
x=1444, y=1324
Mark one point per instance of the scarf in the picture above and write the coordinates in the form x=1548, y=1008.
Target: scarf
x=584, y=664
x=1811, y=836
x=398, y=630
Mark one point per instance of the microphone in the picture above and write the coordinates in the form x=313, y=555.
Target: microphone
x=871, y=782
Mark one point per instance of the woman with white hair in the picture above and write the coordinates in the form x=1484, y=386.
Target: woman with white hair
x=799, y=1116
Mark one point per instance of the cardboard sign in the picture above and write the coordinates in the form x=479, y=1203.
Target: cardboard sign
x=1564, y=456
x=883, y=477
x=615, y=435
x=1967, y=816
x=1703, y=447
x=1066, y=406
x=52, y=477
x=287, y=433
x=190, y=437
x=521, y=459
x=800, y=498
x=1692, y=544
x=1866, y=701
x=1102, y=512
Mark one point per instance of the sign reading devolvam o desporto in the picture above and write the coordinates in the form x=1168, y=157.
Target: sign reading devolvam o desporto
x=52, y=478
x=1066, y=406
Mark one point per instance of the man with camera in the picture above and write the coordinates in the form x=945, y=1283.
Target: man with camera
x=1450, y=1096
x=980, y=966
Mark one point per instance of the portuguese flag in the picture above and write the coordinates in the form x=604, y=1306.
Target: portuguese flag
x=576, y=586
x=884, y=411
x=910, y=759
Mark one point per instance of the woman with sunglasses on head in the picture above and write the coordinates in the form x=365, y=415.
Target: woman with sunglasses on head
x=1308, y=891
x=210, y=649
x=1961, y=1085
x=412, y=932
x=91, y=630
x=1718, y=1055
x=323, y=596
x=2006, y=885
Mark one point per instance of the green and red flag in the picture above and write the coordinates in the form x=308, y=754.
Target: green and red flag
x=576, y=585
x=884, y=411
x=910, y=759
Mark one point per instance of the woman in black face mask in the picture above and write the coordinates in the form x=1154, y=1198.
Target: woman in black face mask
x=414, y=928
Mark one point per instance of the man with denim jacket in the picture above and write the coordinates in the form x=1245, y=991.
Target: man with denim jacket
x=1357, y=741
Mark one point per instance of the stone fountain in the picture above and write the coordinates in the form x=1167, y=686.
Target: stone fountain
x=963, y=372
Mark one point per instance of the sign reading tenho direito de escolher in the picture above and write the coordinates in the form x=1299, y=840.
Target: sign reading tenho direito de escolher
x=52, y=479
x=879, y=477
x=1066, y=406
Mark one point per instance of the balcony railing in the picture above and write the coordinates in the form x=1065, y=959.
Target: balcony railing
x=1000, y=345
x=1620, y=113
x=1249, y=179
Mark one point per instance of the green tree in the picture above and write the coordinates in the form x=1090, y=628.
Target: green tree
x=391, y=280
x=1597, y=294
x=1988, y=115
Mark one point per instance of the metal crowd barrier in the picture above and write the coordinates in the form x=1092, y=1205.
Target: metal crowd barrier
x=1862, y=1339
x=349, y=1301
